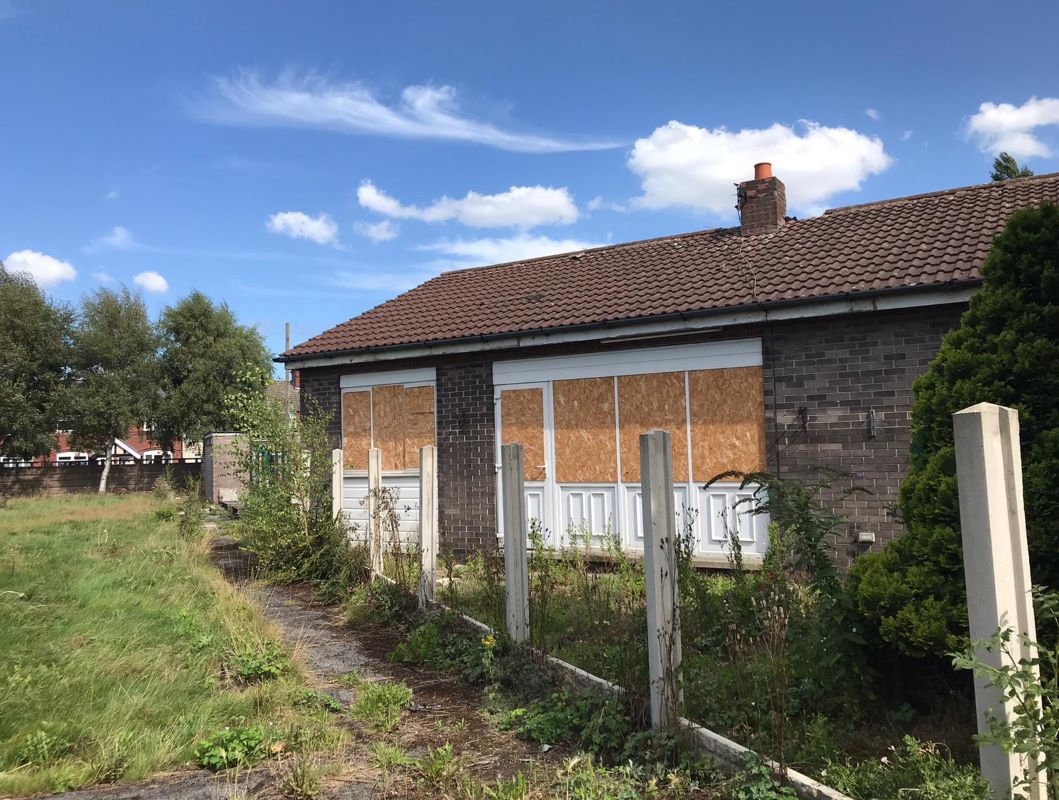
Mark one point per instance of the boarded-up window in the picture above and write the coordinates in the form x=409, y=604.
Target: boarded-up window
x=522, y=422
x=585, y=451
x=396, y=419
x=727, y=421
x=418, y=421
x=646, y=402
x=356, y=429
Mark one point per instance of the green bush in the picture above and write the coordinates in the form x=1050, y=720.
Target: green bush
x=913, y=592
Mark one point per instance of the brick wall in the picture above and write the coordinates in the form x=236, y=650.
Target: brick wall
x=320, y=390
x=822, y=378
x=466, y=436
x=51, y=479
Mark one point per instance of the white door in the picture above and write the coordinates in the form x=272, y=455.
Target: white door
x=522, y=413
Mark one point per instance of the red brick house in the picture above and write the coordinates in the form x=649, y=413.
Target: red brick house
x=137, y=446
x=781, y=344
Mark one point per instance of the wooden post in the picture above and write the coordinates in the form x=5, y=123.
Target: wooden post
x=375, y=509
x=996, y=567
x=428, y=523
x=337, y=465
x=516, y=572
x=660, y=568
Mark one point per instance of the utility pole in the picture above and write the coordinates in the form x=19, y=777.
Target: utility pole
x=286, y=369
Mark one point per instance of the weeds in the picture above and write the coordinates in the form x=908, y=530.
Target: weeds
x=382, y=705
x=262, y=663
x=232, y=747
x=300, y=779
x=439, y=767
x=388, y=757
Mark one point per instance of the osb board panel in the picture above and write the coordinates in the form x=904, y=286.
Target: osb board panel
x=585, y=450
x=646, y=402
x=387, y=408
x=356, y=429
x=522, y=422
x=727, y=421
x=418, y=422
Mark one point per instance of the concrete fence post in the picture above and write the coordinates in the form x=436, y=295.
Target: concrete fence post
x=428, y=523
x=516, y=570
x=660, y=568
x=375, y=509
x=337, y=465
x=997, y=569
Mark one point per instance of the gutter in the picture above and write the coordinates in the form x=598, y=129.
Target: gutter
x=678, y=322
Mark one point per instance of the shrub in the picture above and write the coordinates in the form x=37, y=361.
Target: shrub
x=913, y=592
x=593, y=722
x=192, y=510
x=232, y=747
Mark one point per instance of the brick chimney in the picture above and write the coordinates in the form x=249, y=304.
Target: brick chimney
x=762, y=202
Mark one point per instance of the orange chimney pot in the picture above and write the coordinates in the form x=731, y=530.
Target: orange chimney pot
x=762, y=170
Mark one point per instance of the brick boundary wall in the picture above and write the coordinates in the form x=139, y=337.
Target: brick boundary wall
x=835, y=368
x=64, y=478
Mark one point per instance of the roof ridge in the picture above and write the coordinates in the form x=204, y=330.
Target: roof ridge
x=954, y=191
x=614, y=246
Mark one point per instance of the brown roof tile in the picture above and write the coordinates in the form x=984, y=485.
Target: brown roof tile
x=926, y=240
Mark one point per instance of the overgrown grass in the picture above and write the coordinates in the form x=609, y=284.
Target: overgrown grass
x=120, y=645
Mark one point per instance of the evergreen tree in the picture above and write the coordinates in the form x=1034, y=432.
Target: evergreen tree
x=34, y=352
x=1006, y=167
x=206, y=355
x=115, y=375
x=1006, y=351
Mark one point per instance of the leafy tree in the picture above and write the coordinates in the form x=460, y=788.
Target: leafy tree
x=115, y=376
x=1006, y=167
x=205, y=356
x=1005, y=351
x=34, y=352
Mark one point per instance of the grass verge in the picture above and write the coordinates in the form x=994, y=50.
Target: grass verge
x=122, y=649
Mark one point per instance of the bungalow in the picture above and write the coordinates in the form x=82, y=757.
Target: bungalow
x=781, y=344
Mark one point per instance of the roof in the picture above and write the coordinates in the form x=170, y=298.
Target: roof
x=924, y=241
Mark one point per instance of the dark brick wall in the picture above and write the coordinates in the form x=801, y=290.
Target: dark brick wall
x=320, y=390
x=466, y=436
x=64, y=478
x=822, y=378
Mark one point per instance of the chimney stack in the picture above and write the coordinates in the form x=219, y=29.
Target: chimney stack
x=762, y=202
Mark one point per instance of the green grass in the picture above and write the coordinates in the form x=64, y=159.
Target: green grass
x=118, y=640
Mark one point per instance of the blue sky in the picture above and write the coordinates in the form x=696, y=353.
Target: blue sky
x=306, y=161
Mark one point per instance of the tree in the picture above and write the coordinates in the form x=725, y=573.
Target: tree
x=1005, y=351
x=1006, y=167
x=115, y=375
x=34, y=352
x=206, y=355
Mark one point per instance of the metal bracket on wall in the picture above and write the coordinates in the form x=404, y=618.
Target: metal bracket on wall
x=872, y=431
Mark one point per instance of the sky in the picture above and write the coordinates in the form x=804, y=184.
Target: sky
x=305, y=161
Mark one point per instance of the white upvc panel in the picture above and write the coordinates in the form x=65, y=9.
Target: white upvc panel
x=534, y=493
x=634, y=512
x=355, y=505
x=641, y=361
x=365, y=380
x=724, y=509
x=586, y=510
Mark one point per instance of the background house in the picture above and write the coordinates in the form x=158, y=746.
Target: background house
x=781, y=344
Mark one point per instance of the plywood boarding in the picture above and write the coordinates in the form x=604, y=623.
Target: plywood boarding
x=418, y=422
x=388, y=418
x=727, y=421
x=585, y=450
x=646, y=402
x=356, y=429
x=522, y=422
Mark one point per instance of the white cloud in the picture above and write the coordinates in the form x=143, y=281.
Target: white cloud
x=320, y=229
x=907, y=135
x=684, y=165
x=113, y=194
x=423, y=112
x=475, y=252
x=45, y=270
x=377, y=231
x=1003, y=127
x=118, y=239
x=519, y=207
x=104, y=277
x=597, y=203
x=151, y=282
x=873, y=113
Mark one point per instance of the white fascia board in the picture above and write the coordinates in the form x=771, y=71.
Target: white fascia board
x=424, y=376
x=617, y=331
x=640, y=361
